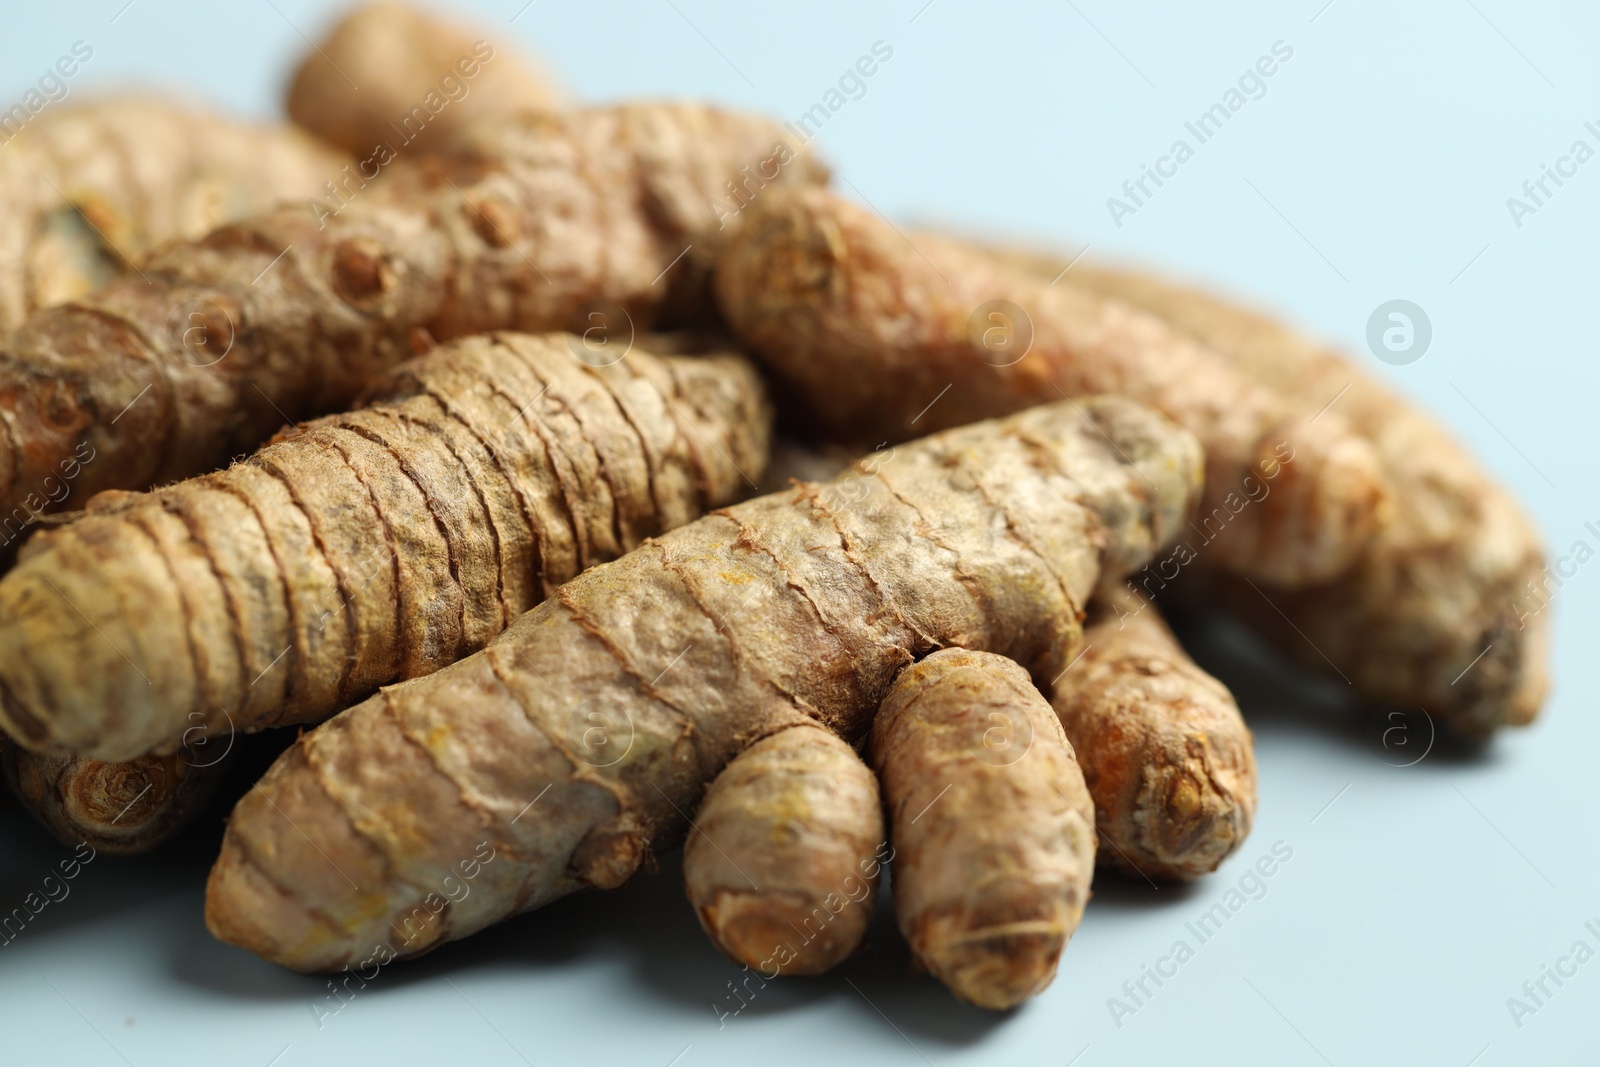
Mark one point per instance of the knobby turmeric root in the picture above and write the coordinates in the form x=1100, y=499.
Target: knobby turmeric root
x=399, y=75
x=1445, y=606
x=116, y=807
x=1166, y=754
x=576, y=740
x=885, y=340
x=782, y=862
x=363, y=548
x=91, y=189
x=535, y=223
x=992, y=826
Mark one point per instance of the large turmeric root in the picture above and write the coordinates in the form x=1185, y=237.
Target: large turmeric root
x=364, y=548
x=397, y=75
x=91, y=189
x=579, y=737
x=880, y=338
x=782, y=863
x=1444, y=608
x=993, y=828
x=1166, y=754
x=528, y=225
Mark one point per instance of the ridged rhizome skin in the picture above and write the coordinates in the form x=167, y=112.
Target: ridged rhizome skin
x=541, y=222
x=579, y=738
x=878, y=339
x=365, y=548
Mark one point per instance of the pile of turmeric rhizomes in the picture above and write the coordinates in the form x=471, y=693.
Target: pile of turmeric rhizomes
x=509, y=547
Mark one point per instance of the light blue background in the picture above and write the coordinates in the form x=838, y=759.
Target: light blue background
x=1377, y=166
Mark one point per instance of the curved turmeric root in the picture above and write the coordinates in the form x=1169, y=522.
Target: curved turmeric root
x=782, y=863
x=92, y=189
x=1445, y=607
x=883, y=339
x=399, y=75
x=536, y=224
x=992, y=826
x=363, y=548
x=1166, y=754
x=571, y=744
x=116, y=807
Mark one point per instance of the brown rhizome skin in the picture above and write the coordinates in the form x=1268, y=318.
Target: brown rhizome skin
x=992, y=825
x=1166, y=754
x=364, y=548
x=93, y=189
x=782, y=864
x=400, y=75
x=540, y=222
x=793, y=608
x=882, y=340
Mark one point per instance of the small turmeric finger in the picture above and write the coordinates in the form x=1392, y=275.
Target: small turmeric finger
x=364, y=548
x=1164, y=750
x=992, y=826
x=116, y=807
x=881, y=339
x=782, y=863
